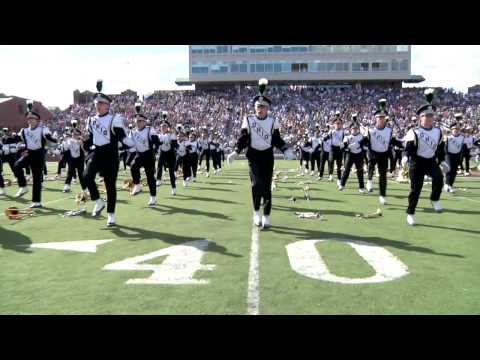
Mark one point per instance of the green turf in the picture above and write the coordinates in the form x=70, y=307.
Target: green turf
x=442, y=253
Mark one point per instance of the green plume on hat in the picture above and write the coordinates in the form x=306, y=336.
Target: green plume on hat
x=429, y=95
x=138, y=107
x=382, y=104
x=262, y=86
x=99, y=85
x=30, y=105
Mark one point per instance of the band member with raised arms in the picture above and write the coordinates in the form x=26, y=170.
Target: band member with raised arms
x=34, y=138
x=144, y=137
x=168, y=146
x=425, y=150
x=454, y=145
x=259, y=134
x=380, y=138
x=104, y=130
x=354, y=143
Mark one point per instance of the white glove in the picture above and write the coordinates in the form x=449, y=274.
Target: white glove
x=404, y=160
x=342, y=145
x=445, y=167
x=232, y=157
x=289, y=155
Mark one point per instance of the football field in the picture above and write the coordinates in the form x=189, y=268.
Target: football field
x=198, y=253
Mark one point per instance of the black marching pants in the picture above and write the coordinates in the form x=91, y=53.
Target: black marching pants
x=216, y=159
x=168, y=159
x=356, y=159
x=315, y=158
x=193, y=163
x=35, y=159
x=466, y=155
x=105, y=162
x=147, y=161
x=453, y=160
x=381, y=160
x=261, y=171
x=336, y=155
x=207, y=154
x=76, y=166
x=420, y=167
x=304, y=158
x=325, y=156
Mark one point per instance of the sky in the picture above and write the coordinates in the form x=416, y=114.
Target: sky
x=50, y=73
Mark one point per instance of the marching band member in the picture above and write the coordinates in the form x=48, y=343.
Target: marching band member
x=425, y=150
x=144, y=137
x=259, y=134
x=33, y=154
x=76, y=163
x=453, y=155
x=380, y=138
x=469, y=142
x=193, y=145
x=336, y=154
x=353, y=147
x=326, y=146
x=105, y=130
x=315, y=155
x=168, y=145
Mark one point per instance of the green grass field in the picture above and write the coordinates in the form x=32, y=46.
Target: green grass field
x=440, y=255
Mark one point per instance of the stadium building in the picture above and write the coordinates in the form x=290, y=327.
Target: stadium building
x=215, y=66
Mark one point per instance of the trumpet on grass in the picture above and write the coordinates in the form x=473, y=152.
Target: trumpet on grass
x=306, y=192
x=374, y=215
x=309, y=215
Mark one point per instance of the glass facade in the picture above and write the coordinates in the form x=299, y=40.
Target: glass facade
x=269, y=49
x=267, y=59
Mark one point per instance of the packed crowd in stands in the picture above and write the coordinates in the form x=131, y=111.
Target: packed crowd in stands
x=300, y=109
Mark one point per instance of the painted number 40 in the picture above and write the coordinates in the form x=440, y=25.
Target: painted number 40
x=183, y=261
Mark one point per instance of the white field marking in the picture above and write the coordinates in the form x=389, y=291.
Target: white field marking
x=465, y=198
x=253, y=296
x=89, y=246
x=49, y=202
x=177, y=269
x=306, y=260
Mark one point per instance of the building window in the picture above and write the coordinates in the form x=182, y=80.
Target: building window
x=277, y=49
x=260, y=68
x=402, y=48
x=404, y=65
x=268, y=68
x=277, y=67
x=222, y=49
x=239, y=49
x=252, y=68
x=395, y=66
x=242, y=68
x=379, y=66
x=199, y=69
x=364, y=66
x=302, y=67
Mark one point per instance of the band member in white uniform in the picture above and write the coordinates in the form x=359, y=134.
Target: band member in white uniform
x=192, y=146
x=353, y=145
x=144, y=137
x=453, y=154
x=33, y=154
x=104, y=130
x=167, y=157
x=76, y=160
x=470, y=142
x=380, y=138
x=336, y=154
x=259, y=134
x=425, y=150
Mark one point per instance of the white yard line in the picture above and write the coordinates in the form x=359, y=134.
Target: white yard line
x=253, y=296
x=462, y=197
x=48, y=202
